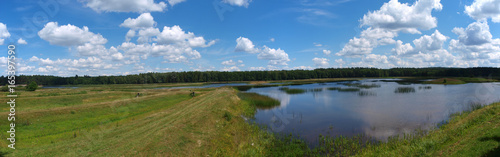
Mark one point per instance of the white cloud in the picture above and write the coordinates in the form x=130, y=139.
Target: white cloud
x=385, y=24
x=232, y=68
x=139, y=6
x=477, y=33
x=130, y=35
x=241, y=3
x=245, y=45
x=357, y=47
x=272, y=39
x=424, y=44
x=89, y=49
x=21, y=41
x=275, y=56
x=483, y=9
x=69, y=35
x=145, y=20
x=302, y=68
x=321, y=62
x=475, y=42
x=327, y=52
x=4, y=33
x=229, y=62
x=81, y=65
x=397, y=16
x=175, y=35
x=146, y=34
x=174, y=2
x=340, y=62
x=257, y=68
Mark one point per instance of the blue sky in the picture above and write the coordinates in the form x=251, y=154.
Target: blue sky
x=118, y=37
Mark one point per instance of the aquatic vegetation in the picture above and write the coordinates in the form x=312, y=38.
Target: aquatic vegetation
x=366, y=93
x=292, y=90
x=258, y=100
x=334, y=88
x=349, y=90
x=424, y=87
x=405, y=90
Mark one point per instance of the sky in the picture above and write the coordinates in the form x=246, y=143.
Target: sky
x=121, y=37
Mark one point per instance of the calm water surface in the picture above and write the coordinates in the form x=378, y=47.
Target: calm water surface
x=381, y=112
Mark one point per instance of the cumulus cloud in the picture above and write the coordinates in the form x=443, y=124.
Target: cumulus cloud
x=145, y=20
x=69, y=35
x=475, y=42
x=241, y=3
x=477, y=33
x=172, y=43
x=321, y=62
x=174, y=2
x=424, y=44
x=229, y=62
x=275, y=56
x=175, y=35
x=139, y=6
x=245, y=45
x=385, y=24
x=232, y=68
x=81, y=65
x=483, y=9
x=4, y=33
x=21, y=41
x=397, y=16
x=327, y=52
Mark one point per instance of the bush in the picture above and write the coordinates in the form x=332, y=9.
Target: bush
x=4, y=88
x=32, y=86
x=228, y=116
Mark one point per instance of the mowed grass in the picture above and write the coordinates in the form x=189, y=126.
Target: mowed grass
x=89, y=127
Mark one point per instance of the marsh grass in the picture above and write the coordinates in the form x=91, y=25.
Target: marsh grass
x=424, y=87
x=366, y=93
x=292, y=90
x=404, y=90
x=344, y=89
x=258, y=100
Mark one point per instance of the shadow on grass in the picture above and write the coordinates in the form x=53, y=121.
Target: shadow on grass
x=494, y=152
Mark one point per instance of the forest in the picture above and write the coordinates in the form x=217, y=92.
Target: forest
x=224, y=76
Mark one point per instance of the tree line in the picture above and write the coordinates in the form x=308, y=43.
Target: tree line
x=224, y=76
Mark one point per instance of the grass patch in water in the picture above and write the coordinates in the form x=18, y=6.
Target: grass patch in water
x=292, y=90
x=349, y=90
x=425, y=87
x=404, y=90
x=258, y=100
x=366, y=93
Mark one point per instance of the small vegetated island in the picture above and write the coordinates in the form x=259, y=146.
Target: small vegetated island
x=104, y=116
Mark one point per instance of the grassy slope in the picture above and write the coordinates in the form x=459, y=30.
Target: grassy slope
x=112, y=122
x=474, y=133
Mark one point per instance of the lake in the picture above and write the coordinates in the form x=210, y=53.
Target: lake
x=380, y=109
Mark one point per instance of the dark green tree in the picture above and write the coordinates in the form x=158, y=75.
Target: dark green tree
x=32, y=86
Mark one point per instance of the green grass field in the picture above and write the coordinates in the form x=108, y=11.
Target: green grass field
x=109, y=120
